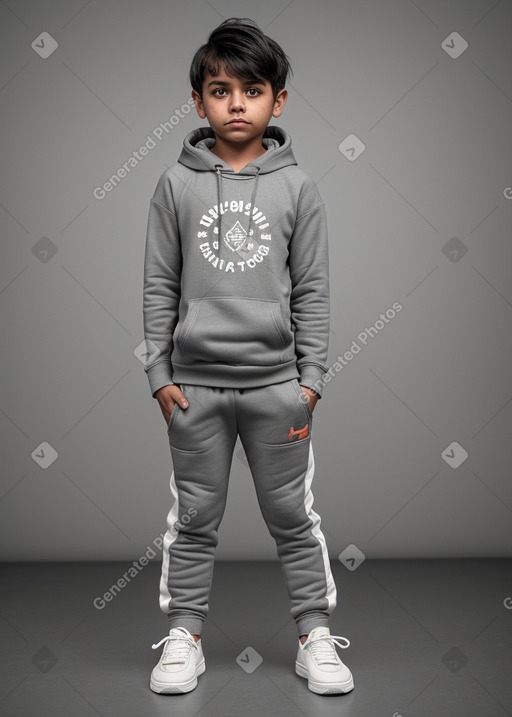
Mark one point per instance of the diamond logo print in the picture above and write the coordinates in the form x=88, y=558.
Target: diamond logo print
x=352, y=557
x=235, y=237
x=454, y=45
x=351, y=147
x=249, y=660
x=454, y=659
x=44, y=455
x=454, y=455
x=45, y=45
x=44, y=660
x=454, y=249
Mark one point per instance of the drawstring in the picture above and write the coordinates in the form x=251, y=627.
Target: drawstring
x=219, y=206
x=218, y=168
x=253, y=197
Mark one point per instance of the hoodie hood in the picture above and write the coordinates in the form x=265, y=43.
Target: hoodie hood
x=196, y=154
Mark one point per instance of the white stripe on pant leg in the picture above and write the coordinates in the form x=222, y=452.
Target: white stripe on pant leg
x=308, y=502
x=169, y=538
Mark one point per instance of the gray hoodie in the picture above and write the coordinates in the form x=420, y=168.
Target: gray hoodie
x=236, y=286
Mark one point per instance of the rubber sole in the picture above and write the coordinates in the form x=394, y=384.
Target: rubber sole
x=166, y=688
x=321, y=688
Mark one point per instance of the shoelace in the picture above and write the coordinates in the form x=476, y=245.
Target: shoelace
x=323, y=650
x=176, y=649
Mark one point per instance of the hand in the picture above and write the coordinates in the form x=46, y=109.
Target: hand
x=311, y=395
x=167, y=396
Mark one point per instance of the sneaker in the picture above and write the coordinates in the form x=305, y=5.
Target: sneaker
x=318, y=660
x=180, y=664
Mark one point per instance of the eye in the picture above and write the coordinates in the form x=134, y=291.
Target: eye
x=219, y=89
x=254, y=89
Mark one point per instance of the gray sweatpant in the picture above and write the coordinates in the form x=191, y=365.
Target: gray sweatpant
x=275, y=428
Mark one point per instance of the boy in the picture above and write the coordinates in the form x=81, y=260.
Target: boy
x=236, y=321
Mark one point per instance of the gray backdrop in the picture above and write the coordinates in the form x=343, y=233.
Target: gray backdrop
x=401, y=112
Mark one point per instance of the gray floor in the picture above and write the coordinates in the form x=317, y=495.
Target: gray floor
x=429, y=638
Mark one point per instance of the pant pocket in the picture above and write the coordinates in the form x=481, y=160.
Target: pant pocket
x=302, y=398
x=175, y=410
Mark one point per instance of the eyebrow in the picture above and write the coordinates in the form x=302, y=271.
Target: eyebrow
x=226, y=84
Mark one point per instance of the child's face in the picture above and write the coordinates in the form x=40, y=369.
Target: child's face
x=226, y=98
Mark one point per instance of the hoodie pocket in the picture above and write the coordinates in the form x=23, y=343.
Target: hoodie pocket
x=235, y=331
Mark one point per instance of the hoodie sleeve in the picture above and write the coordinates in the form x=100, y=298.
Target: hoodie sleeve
x=162, y=285
x=309, y=271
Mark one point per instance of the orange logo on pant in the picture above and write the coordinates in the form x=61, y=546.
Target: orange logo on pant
x=295, y=435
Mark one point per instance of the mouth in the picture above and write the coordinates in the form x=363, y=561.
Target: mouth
x=238, y=121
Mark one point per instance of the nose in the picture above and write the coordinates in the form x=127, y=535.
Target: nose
x=237, y=102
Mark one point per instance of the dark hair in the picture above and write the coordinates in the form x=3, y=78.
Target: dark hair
x=245, y=51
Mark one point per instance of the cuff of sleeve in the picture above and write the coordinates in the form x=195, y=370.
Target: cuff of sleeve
x=159, y=375
x=311, y=377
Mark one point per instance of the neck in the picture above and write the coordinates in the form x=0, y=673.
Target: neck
x=240, y=154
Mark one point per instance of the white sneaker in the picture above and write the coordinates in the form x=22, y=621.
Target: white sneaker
x=318, y=660
x=180, y=664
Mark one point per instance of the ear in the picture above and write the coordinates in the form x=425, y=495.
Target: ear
x=199, y=104
x=280, y=102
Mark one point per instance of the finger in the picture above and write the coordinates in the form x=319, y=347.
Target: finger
x=182, y=400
